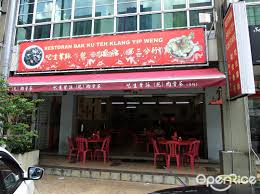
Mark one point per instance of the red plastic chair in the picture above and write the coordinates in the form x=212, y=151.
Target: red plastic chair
x=72, y=148
x=157, y=152
x=193, y=153
x=104, y=149
x=174, y=152
x=83, y=149
x=149, y=137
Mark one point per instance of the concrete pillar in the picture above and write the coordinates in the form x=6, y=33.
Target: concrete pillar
x=213, y=125
x=66, y=122
x=237, y=156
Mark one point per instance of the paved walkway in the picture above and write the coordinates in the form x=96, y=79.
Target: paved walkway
x=70, y=185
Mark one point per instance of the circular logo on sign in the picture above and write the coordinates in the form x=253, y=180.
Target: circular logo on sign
x=32, y=57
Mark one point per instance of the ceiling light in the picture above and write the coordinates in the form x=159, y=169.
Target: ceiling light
x=165, y=102
x=148, y=103
x=118, y=103
x=134, y=103
x=131, y=107
x=182, y=102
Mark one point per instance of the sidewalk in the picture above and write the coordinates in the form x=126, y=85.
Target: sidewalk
x=70, y=185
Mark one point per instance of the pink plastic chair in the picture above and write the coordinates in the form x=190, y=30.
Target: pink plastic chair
x=173, y=153
x=83, y=149
x=193, y=153
x=104, y=149
x=149, y=136
x=157, y=152
x=72, y=148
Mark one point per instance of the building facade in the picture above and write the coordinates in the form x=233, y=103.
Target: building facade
x=3, y=11
x=54, y=24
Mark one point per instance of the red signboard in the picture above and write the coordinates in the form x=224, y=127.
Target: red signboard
x=238, y=52
x=148, y=49
x=232, y=54
x=196, y=78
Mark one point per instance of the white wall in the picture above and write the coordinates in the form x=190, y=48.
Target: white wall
x=213, y=125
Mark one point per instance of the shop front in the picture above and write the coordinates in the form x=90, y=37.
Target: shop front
x=124, y=87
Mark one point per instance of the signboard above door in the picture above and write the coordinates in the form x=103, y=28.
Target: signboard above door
x=171, y=48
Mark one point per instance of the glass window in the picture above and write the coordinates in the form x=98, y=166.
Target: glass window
x=44, y=12
x=25, y=19
x=176, y=19
x=83, y=8
x=26, y=8
x=254, y=113
x=83, y=3
x=61, y=30
x=177, y=4
x=10, y=175
x=42, y=31
x=23, y=33
x=43, y=17
x=104, y=26
x=63, y=4
x=124, y=24
x=62, y=15
x=126, y=6
x=150, y=5
x=194, y=17
x=104, y=7
x=252, y=1
x=253, y=15
x=151, y=21
x=26, y=1
x=44, y=6
x=82, y=28
x=83, y=12
x=198, y=3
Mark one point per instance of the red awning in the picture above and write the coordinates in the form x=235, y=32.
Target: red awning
x=196, y=78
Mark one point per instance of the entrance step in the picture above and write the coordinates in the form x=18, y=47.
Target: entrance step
x=121, y=175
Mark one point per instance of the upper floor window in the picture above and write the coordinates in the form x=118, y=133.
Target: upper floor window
x=126, y=6
x=63, y=10
x=43, y=19
x=83, y=8
x=104, y=8
x=253, y=15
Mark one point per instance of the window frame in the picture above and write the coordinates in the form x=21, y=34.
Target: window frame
x=115, y=15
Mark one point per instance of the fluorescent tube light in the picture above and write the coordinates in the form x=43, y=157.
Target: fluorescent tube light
x=118, y=103
x=131, y=107
x=133, y=103
x=148, y=103
x=182, y=102
x=165, y=103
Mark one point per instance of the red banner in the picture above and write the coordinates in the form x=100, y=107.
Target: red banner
x=120, y=86
x=196, y=78
x=147, y=49
x=238, y=51
x=232, y=54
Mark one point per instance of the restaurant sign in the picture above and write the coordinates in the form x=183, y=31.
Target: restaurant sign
x=238, y=51
x=254, y=32
x=173, y=48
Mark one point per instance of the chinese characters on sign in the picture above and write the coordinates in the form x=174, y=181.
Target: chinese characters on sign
x=172, y=47
x=238, y=52
x=108, y=86
x=231, y=54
